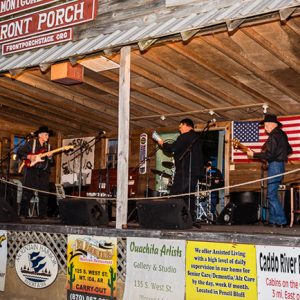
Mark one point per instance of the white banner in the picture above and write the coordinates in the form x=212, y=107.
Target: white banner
x=155, y=269
x=82, y=157
x=278, y=270
x=3, y=258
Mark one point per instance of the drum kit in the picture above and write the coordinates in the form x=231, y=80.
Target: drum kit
x=203, y=196
x=165, y=179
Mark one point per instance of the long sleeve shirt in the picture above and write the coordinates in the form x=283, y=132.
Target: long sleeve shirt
x=276, y=148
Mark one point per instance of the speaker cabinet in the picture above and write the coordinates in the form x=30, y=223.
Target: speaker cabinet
x=243, y=208
x=164, y=214
x=82, y=212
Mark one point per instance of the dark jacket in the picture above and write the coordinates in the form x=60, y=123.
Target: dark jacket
x=276, y=148
x=182, y=161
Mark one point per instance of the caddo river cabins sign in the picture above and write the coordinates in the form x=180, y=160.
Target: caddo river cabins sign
x=37, y=23
x=36, y=265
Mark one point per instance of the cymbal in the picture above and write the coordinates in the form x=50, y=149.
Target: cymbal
x=167, y=164
x=161, y=173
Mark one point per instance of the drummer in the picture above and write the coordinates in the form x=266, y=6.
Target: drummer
x=214, y=179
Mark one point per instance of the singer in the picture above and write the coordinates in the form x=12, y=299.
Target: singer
x=189, y=161
x=38, y=175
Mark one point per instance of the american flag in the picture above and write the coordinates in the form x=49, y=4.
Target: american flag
x=253, y=136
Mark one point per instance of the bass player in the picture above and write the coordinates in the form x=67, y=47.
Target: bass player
x=276, y=152
x=38, y=175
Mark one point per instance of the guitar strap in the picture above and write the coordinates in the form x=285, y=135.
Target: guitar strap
x=33, y=146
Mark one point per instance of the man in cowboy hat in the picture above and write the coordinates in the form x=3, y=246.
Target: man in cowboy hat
x=37, y=176
x=275, y=151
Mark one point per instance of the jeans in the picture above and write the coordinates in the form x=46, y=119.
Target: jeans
x=276, y=212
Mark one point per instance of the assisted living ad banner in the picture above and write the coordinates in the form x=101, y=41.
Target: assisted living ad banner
x=3, y=258
x=278, y=272
x=216, y=271
x=155, y=269
x=92, y=267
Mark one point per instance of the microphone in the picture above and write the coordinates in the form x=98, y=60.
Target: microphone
x=102, y=132
x=213, y=121
x=30, y=135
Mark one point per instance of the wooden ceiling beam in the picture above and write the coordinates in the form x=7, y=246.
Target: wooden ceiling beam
x=285, y=13
x=221, y=72
x=145, y=106
x=292, y=25
x=148, y=92
x=48, y=116
x=111, y=101
x=211, y=90
x=241, y=59
x=80, y=104
x=288, y=59
x=30, y=119
x=38, y=98
x=60, y=90
x=159, y=78
x=18, y=119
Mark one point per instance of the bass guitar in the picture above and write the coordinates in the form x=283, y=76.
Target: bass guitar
x=237, y=145
x=38, y=157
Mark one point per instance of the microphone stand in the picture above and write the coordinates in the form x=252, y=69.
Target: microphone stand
x=7, y=157
x=80, y=151
x=189, y=150
x=147, y=158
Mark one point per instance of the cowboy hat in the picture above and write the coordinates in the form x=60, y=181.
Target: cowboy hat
x=43, y=129
x=270, y=118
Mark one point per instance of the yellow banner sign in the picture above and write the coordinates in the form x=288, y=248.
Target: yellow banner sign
x=217, y=271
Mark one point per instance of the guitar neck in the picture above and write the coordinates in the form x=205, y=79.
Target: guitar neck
x=51, y=152
x=243, y=148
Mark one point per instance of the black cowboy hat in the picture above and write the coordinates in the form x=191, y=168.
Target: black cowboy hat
x=271, y=119
x=44, y=129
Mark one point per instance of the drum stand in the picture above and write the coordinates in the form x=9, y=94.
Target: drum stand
x=161, y=190
x=202, y=197
x=210, y=216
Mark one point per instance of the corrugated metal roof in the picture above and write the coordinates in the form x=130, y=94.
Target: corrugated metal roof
x=208, y=16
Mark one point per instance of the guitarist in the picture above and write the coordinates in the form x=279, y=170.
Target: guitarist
x=275, y=151
x=189, y=162
x=37, y=176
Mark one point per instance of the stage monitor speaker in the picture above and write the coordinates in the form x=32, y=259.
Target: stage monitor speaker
x=243, y=208
x=164, y=214
x=82, y=212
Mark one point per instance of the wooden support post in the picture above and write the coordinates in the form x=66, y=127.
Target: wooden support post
x=58, y=158
x=123, y=138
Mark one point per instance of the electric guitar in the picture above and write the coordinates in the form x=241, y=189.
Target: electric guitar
x=237, y=145
x=38, y=157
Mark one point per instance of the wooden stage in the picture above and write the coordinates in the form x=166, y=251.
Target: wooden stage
x=248, y=234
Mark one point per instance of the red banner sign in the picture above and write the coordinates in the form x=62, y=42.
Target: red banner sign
x=9, y=7
x=55, y=37
x=59, y=16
